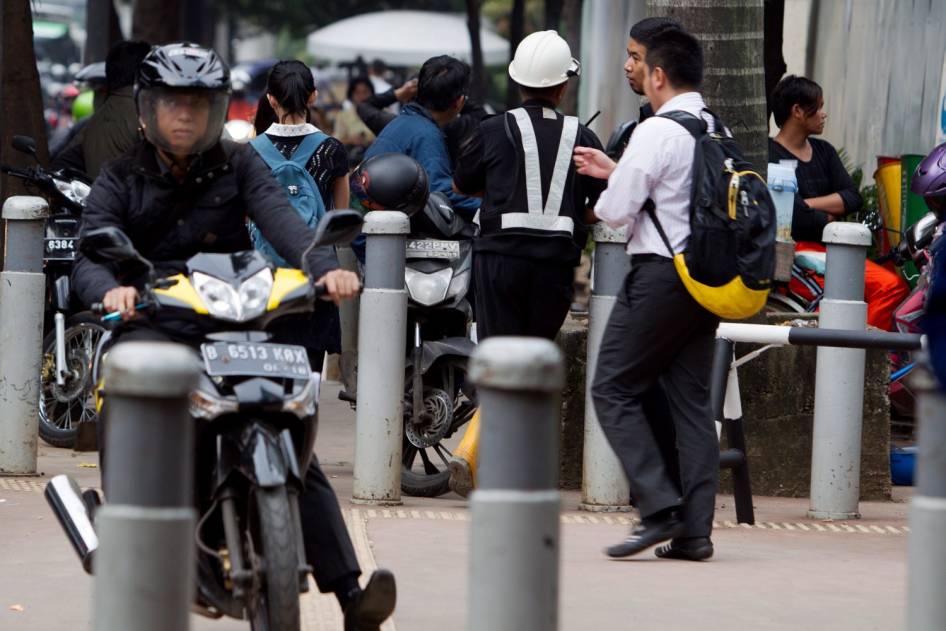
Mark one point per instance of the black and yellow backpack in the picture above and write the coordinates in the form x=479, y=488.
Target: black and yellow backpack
x=730, y=257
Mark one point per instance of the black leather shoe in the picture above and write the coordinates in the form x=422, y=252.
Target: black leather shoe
x=373, y=605
x=646, y=535
x=692, y=549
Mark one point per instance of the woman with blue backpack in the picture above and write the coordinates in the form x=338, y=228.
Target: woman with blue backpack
x=312, y=167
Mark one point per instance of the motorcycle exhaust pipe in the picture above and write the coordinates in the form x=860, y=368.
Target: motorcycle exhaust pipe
x=60, y=320
x=64, y=497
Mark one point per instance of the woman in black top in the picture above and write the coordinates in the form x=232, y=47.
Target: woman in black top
x=282, y=115
x=825, y=190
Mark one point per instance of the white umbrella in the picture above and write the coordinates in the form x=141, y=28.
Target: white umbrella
x=403, y=38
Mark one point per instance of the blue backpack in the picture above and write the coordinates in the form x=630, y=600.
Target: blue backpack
x=301, y=189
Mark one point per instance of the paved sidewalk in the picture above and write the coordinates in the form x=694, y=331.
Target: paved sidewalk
x=787, y=572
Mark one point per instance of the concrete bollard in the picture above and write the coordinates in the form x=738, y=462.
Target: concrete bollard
x=382, y=331
x=926, y=607
x=604, y=487
x=144, y=567
x=22, y=292
x=348, y=323
x=514, y=547
x=839, y=379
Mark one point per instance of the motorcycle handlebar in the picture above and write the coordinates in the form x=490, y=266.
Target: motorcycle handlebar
x=15, y=172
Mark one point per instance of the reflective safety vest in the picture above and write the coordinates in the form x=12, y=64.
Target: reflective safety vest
x=543, y=219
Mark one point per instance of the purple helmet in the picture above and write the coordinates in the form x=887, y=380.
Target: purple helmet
x=929, y=181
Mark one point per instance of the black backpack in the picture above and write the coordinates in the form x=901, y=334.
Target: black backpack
x=730, y=256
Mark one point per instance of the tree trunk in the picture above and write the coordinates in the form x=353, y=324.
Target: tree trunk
x=198, y=22
x=731, y=33
x=517, y=28
x=773, y=58
x=478, y=82
x=571, y=20
x=102, y=30
x=553, y=14
x=22, y=111
x=157, y=21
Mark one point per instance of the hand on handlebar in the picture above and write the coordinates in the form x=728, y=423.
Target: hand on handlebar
x=339, y=284
x=122, y=300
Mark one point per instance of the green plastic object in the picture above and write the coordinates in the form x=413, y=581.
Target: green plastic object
x=83, y=106
x=912, y=206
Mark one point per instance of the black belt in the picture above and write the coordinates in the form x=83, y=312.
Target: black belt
x=649, y=258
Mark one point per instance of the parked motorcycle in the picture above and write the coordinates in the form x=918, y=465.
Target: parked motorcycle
x=71, y=335
x=256, y=413
x=438, y=397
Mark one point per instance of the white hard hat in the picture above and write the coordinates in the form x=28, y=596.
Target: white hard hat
x=542, y=60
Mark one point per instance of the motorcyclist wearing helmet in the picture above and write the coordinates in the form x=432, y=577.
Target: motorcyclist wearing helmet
x=929, y=181
x=535, y=207
x=183, y=191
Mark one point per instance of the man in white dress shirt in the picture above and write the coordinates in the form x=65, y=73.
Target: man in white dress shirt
x=658, y=337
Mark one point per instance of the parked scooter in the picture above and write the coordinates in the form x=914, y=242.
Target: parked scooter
x=71, y=335
x=255, y=413
x=438, y=397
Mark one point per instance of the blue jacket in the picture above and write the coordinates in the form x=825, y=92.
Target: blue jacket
x=415, y=134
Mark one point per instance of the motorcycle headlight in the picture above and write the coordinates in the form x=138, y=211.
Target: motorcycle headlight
x=74, y=191
x=428, y=289
x=459, y=284
x=227, y=303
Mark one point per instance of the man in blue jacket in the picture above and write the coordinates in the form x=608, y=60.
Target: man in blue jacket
x=418, y=129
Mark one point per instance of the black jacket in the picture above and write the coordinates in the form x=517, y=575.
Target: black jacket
x=169, y=222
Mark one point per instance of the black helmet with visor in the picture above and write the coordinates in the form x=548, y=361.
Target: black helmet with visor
x=182, y=92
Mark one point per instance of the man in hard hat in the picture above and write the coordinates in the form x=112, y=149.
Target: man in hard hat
x=534, y=210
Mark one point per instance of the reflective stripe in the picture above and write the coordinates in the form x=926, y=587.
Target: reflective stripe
x=545, y=218
x=530, y=147
x=566, y=147
x=532, y=221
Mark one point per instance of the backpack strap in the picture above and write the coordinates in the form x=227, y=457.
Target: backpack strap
x=309, y=145
x=693, y=124
x=650, y=208
x=271, y=155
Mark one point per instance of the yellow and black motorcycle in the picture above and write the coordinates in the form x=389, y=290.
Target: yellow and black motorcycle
x=256, y=415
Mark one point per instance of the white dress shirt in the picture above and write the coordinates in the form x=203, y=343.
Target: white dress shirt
x=657, y=165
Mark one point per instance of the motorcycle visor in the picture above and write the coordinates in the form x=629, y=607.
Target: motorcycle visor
x=183, y=122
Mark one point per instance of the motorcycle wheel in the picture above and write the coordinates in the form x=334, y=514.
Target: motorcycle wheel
x=277, y=605
x=62, y=408
x=434, y=481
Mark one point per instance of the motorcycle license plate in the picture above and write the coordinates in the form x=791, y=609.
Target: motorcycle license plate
x=254, y=359
x=432, y=249
x=60, y=249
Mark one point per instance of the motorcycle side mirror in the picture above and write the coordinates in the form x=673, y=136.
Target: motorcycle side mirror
x=337, y=227
x=25, y=144
x=108, y=245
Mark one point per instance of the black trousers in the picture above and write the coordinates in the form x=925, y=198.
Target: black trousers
x=519, y=296
x=651, y=394
x=328, y=547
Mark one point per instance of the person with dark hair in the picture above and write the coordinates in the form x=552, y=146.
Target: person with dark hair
x=113, y=128
x=534, y=210
x=290, y=88
x=826, y=193
x=659, y=340
x=418, y=129
x=349, y=128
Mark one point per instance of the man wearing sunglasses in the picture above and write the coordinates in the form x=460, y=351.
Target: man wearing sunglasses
x=535, y=207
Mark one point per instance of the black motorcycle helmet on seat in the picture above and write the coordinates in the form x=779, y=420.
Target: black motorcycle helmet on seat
x=392, y=181
x=182, y=91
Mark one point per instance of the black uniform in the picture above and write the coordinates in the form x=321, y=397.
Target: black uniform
x=523, y=265
x=168, y=222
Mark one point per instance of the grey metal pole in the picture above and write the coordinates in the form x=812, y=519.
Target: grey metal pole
x=382, y=331
x=839, y=380
x=514, y=548
x=926, y=607
x=144, y=567
x=22, y=291
x=604, y=487
x=348, y=321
